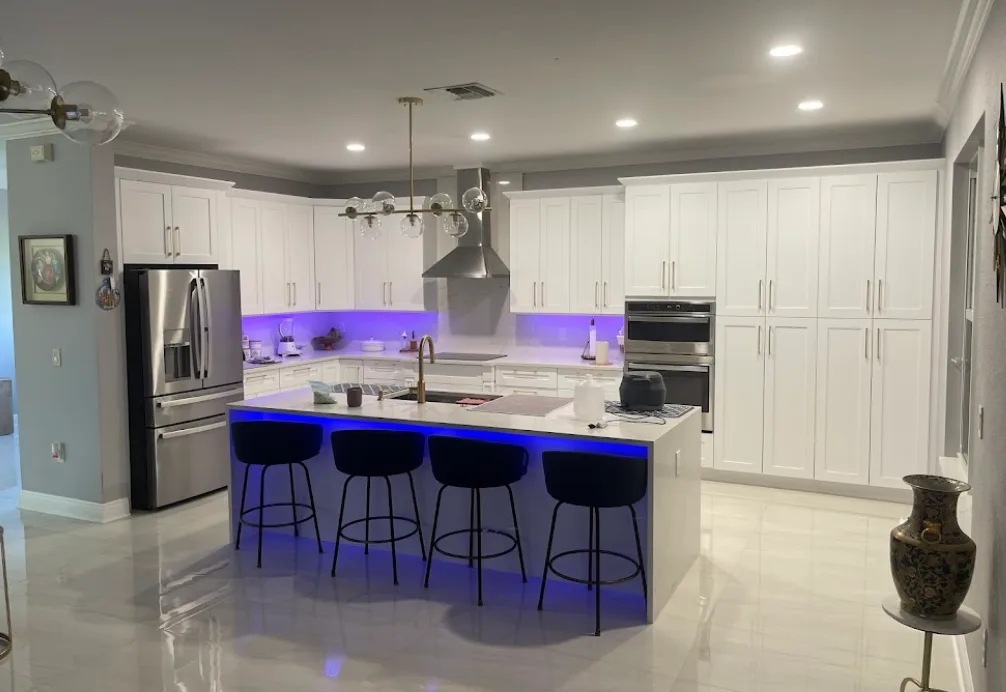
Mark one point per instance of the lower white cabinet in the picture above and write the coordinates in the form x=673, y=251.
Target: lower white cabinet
x=790, y=396
x=608, y=379
x=351, y=371
x=298, y=376
x=330, y=372
x=527, y=380
x=259, y=383
x=708, y=450
x=739, y=393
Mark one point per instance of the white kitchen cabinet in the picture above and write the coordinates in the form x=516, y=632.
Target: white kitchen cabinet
x=277, y=296
x=333, y=260
x=708, y=450
x=299, y=239
x=330, y=373
x=741, y=242
x=525, y=254
x=260, y=383
x=739, y=393
x=167, y=224
x=587, y=250
x=906, y=242
x=609, y=380
x=245, y=253
x=526, y=380
x=540, y=255
x=693, y=239
x=848, y=235
x=790, y=397
x=899, y=440
x=647, y=239
x=794, y=223
x=613, y=254
x=298, y=376
x=351, y=371
x=388, y=271
x=554, y=268
x=844, y=374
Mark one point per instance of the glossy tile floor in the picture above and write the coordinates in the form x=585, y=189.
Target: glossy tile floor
x=785, y=597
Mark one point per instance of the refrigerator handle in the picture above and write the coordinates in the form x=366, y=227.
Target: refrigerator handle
x=207, y=323
x=195, y=322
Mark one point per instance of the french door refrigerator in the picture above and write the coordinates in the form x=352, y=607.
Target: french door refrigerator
x=184, y=365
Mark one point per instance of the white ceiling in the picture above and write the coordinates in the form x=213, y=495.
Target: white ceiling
x=291, y=83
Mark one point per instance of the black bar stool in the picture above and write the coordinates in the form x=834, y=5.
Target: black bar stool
x=594, y=481
x=268, y=444
x=378, y=454
x=462, y=463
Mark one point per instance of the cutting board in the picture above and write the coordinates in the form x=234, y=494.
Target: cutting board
x=523, y=405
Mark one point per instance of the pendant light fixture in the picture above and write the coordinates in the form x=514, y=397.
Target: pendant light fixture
x=85, y=112
x=368, y=214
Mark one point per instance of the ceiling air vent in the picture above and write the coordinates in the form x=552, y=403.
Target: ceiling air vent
x=466, y=92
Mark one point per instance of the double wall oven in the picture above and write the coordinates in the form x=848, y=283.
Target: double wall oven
x=676, y=339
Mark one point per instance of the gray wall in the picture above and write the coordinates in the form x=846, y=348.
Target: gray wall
x=244, y=181
x=399, y=188
x=6, y=318
x=980, y=97
x=82, y=403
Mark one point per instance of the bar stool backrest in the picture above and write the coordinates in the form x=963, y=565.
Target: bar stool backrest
x=275, y=442
x=594, y=480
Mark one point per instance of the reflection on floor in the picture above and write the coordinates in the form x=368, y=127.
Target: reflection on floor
x=9, y=461
x=785, y=597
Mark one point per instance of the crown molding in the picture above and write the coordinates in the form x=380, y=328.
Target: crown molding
x=23, y=129
x=970, y=24
x=222, y=162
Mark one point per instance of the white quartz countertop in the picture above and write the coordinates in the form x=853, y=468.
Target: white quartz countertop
x=559, y=423
x=525, y=356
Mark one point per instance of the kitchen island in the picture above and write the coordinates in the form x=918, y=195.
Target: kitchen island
x=669, y=518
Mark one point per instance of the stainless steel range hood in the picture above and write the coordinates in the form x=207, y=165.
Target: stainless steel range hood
x=474, y=257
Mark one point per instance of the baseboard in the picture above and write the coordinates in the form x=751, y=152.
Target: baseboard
x=864, y=492
x=74, y=508
x=964, y=679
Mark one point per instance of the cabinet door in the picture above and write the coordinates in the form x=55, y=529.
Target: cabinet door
x=740, y=393
x=613, y=254
x=848, y=229
x=277, y=295
x=740, y=268
x=300, y=256
x=794, y=225
x=790, y=396
x=587, y=249
x=371, y=272
x=405, y=271
x=647, y=240
x=693, y=239
x=333, y=260
x=145, y=212
x=245, y=253
x=900, y=413
x=194, y=217
x=525, y=254
x=906, y=241
x=553, y=295
x=844, y=367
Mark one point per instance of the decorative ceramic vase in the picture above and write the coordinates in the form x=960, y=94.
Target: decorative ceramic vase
x=932, y=559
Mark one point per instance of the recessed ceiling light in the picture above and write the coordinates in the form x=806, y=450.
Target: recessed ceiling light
x=504, y=182
x=625, y=123
x=355, y=146
x=480, y=136
x=785, y=51
x=811, y=105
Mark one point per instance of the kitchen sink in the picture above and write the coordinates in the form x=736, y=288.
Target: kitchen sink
x=435, y=397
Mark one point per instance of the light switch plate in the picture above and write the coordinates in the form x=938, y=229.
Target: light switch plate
x=57, y=358
x=40, y=153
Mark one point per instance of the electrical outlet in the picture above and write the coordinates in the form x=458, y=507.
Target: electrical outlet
x=985, y=649
x=40, y=153
x=58, y=452
x=56, y=358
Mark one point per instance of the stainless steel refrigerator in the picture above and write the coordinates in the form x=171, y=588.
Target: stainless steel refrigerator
x=184, y=365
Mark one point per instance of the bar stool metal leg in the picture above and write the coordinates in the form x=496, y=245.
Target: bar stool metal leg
x=419, y=523
x=471, y=524
x=314, y=510
x=590, y=558
x=261, y=513
x=548, y=554
x=478, y=512
x=391, y=526
x=597, y=571
x=433, y=538
x=293, y=503
x=639, y=553
x=6, y=638
x=241, y=512
x=338, y=532
x=516, y=531
x=366, y=530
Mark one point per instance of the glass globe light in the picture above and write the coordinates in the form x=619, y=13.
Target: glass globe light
x=384, y=202
x=93, y=114
x=474, y=200
x=412, y=225
x=455, y=224
x=354, y=206
x=440, y=201
x=370, y=227
x=36, y=88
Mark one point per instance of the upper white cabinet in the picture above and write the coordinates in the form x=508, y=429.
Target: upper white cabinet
x=525, y=254
x=906, y=243
x=277, y=296
x=245, y=234
x=540, y=253
x=167, y=219
x=848, y=234
x=299, y=226
x=613, y=254
x=597, y=243
x=670, y=239
x=742, y=240
x=333, y=260
x=388, y=271
x=554, y=266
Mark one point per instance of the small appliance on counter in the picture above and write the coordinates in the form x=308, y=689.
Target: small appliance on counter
x=371, y=346
x=642, y=390
x=286, y=346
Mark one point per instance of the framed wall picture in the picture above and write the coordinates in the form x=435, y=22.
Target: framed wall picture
x=47, y=270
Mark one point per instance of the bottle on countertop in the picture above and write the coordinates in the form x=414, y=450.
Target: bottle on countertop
x=405, y=341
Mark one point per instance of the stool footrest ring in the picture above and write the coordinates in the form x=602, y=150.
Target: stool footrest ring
x=384, y=518
x=485, y=556
x=299, y=520
x=607, y=582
